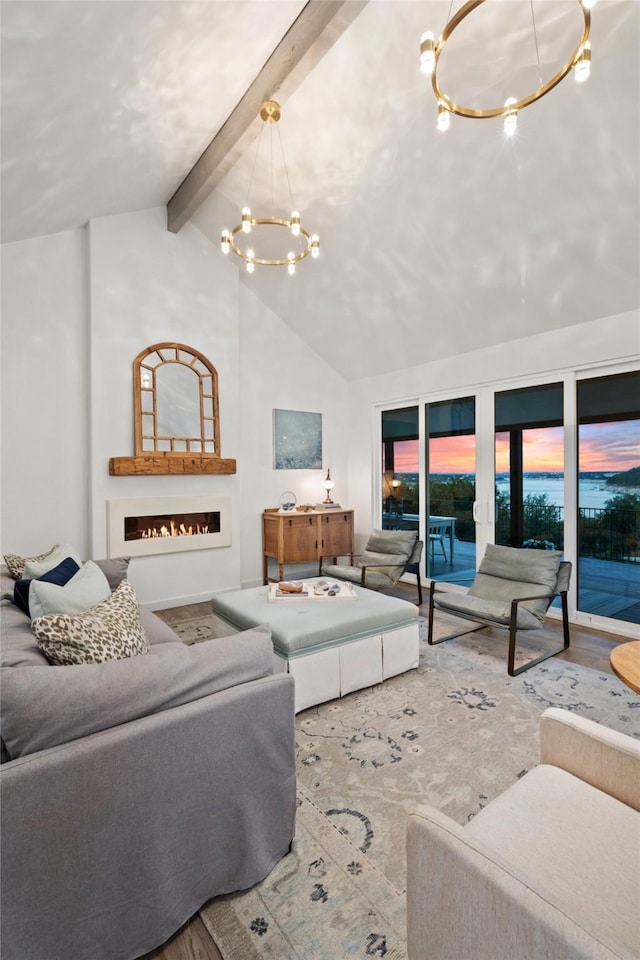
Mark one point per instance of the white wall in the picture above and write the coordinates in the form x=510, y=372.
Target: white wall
x=279, y=371
x=148, y=285
x=77, y=308
x=45, y=458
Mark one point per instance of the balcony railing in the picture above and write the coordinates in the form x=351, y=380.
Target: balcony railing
x=612, y=534
x=603, y=534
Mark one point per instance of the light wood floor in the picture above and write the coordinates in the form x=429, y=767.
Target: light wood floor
x=588, y=647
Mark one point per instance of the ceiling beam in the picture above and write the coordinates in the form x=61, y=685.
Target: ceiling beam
x=318, y=26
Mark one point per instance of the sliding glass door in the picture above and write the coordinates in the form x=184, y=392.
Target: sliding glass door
x=444, y=512
x=609, y=496
x=529, y=478
x=450, y=533
x=400, y=469
x=551, y=466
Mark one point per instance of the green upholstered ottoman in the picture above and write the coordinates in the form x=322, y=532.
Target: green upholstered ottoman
x=331, y=646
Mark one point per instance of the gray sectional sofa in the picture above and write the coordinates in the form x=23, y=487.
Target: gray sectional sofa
x=135, y=790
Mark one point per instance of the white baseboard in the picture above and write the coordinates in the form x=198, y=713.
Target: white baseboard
x=168, y=602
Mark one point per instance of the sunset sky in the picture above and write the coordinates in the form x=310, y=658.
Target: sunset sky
x=603, y=446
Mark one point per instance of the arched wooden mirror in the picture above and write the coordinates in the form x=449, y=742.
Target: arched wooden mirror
x=176, y=401
x=177, y=426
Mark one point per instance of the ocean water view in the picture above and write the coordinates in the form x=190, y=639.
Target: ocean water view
x=593, y=489
x=592, y=492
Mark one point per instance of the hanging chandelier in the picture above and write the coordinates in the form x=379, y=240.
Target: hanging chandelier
x=239, y=239
x=431, y=51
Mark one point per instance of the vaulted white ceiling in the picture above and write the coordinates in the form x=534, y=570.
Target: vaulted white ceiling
x=432, y=244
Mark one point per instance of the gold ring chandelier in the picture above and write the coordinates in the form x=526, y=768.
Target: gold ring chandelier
x=304, y=242
x=431, y=51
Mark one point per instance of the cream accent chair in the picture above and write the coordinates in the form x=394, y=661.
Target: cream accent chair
x=549, y=870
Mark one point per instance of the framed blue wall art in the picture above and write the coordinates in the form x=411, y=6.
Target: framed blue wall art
x=297, y=440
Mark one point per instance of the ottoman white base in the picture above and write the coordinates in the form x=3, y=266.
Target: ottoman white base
x=329, y=674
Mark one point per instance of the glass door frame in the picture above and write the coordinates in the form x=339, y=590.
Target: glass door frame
x=484, y=506
x=622, y=628
x=482, y=509
x=569, y=379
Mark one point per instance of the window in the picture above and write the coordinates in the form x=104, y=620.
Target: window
x=609, y=496
x=400, y=469
x=451, y=487
x=530, y=467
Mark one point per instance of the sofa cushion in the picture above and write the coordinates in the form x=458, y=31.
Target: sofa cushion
x=115, y=570
x=18, y=647
x=157, y=630
x=59, y=575
x=42, y=707
x=86, y=588
x=109, y=631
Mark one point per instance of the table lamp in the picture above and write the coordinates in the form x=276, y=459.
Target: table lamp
x=328, y=485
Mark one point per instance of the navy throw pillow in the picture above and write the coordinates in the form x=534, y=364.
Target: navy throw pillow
x=59, y=575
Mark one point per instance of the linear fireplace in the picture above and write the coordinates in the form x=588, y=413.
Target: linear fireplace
x=143, y=526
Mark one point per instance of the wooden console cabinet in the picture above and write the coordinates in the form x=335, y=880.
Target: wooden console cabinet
x=304, y=537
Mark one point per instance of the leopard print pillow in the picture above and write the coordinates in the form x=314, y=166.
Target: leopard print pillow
x=16, y=564
x=109, y=631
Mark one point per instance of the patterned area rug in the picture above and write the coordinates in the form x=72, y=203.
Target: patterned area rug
x=195, y=630
x=454, y=734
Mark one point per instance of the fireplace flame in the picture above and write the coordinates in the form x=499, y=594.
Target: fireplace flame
x=174, y=529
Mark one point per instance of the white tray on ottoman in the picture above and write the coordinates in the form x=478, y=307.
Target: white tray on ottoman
x=331, y=645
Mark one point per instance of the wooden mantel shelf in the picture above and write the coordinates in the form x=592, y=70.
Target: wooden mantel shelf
x=158, y=465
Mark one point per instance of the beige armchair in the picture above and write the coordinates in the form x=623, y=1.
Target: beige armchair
x=549, y=869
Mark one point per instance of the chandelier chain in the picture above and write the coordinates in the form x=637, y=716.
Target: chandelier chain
x=535, y=37
x=273, y=202
x=286, y=171
x=253, y=167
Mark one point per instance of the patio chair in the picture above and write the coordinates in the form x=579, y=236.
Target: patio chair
x=438, y=534
x=386, y=557
x=512, y=589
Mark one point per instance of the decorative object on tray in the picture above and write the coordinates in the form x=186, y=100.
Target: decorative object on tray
x=305, y=508
x=287, y=502
x=297, y=440
x=317, y=588
x=286, y=586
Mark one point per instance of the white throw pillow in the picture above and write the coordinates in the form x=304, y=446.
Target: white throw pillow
x=35, y=568
x=84, y=590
